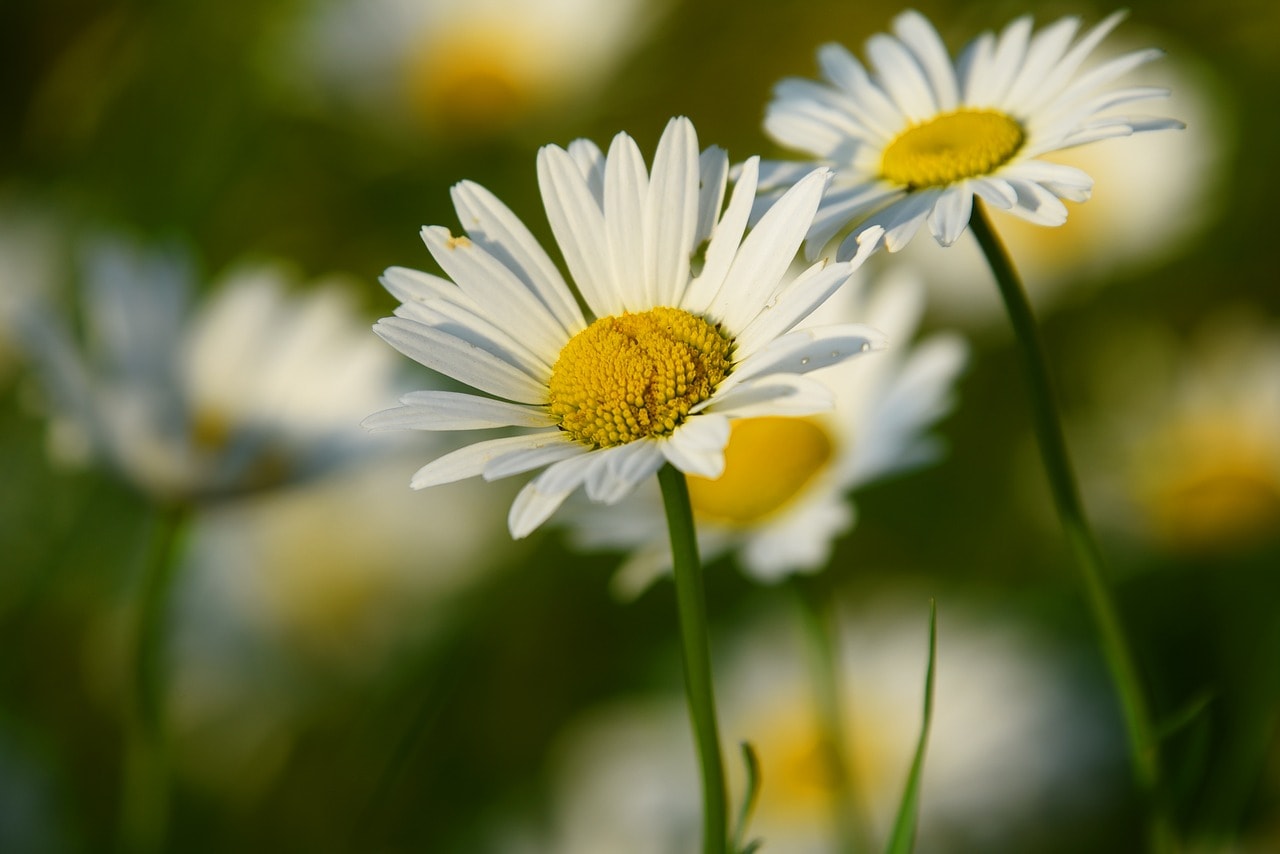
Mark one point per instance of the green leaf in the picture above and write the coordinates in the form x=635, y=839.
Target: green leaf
x=904, y=828
x=749, y=798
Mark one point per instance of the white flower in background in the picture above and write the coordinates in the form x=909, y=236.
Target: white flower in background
x=677, y=348
x=1154, y=193
x=914, y=141
x=783, y=498
x=1183, y=452
x=461, y=67
x=1014, y=738
x=254, y=388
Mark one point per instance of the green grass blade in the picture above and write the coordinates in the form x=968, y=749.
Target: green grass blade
x=904, y=828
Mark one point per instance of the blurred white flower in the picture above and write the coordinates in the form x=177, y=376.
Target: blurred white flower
x=917, y=138
x=462, y=67
x=1153, y=194
x=783, y=498
x=1183, y=449
x=1013, y=739
x=252, y=389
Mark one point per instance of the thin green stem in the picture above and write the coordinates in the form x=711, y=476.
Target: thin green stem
x=849, y=813
x=146, y=790
x=692, y=606
x=1143, y=746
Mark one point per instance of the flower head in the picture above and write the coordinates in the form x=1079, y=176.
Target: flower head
x=689, y=324
x=783, y=497
x=915, y=140
x=253, y=389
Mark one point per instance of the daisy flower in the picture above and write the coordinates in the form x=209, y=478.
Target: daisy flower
x=462, y=67
x=688, y=327
x=783, y=498
x=251, y=389
x=916, y=139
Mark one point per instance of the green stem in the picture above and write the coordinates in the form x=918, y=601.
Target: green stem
x=692, y=606
x=1143, y=746
x=822, y=633
x=146, y=791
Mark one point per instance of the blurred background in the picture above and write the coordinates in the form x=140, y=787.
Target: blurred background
x=351, y=665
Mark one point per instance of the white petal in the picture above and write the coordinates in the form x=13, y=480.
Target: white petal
x=578, y=224
x=411, y=286
x=806, y=350
x=471, y=460
x=505, y=298
x=671, y=217
x=902, y=219
x=767, y=252
x=1060, y=76
x=871, y=107
x=775, y=394
x=796, y=302
x=1036, y=204
x=697, y=445
x=501, y=233
x=840, y=208
x=713, y=171
x=991, y=82
x=451, y=410
x=1064, y=181
x=919, y=35
x=1043, y=53
x=725, y=240
x=463, y=361
x=544, y=494
x=474, y=326
x=617, y=472
x=559, y=446
x=994, y=191
x=950, y=215
x=900, y=73
x=589, y=159
x=626, y=185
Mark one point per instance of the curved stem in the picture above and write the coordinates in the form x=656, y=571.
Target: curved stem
x=692, y=607
x=145, y=795
x=1143, y=747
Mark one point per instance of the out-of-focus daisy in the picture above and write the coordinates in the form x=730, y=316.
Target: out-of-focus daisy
x=1153, y=193
x=1013, y=736
x=466, y=67
x=914, y=141
x=253, y=389
x=30, y=269
x=692, y=324
x=1185, y=449
x=783, y=497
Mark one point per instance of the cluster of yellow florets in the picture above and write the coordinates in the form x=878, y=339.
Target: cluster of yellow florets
x=630, y=376
x=951, y=147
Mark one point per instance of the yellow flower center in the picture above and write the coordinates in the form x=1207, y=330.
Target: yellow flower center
x=472, y=80
x=630, y=376
x=767, y=462
x=950, y=148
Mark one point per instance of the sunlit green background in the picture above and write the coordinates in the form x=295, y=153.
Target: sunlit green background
x=214, y=124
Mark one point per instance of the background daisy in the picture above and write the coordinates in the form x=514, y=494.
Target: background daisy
x=677, y=347
x=253, y=389
x=916, y=139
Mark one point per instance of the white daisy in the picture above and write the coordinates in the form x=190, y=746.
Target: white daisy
x=462, y=67
x=253, y=389
x=915, y=140
x=783, y=498
x=681, y=340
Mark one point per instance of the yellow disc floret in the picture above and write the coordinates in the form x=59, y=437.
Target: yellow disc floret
x=630, y=376
x=767, y=462
x=951, y=147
